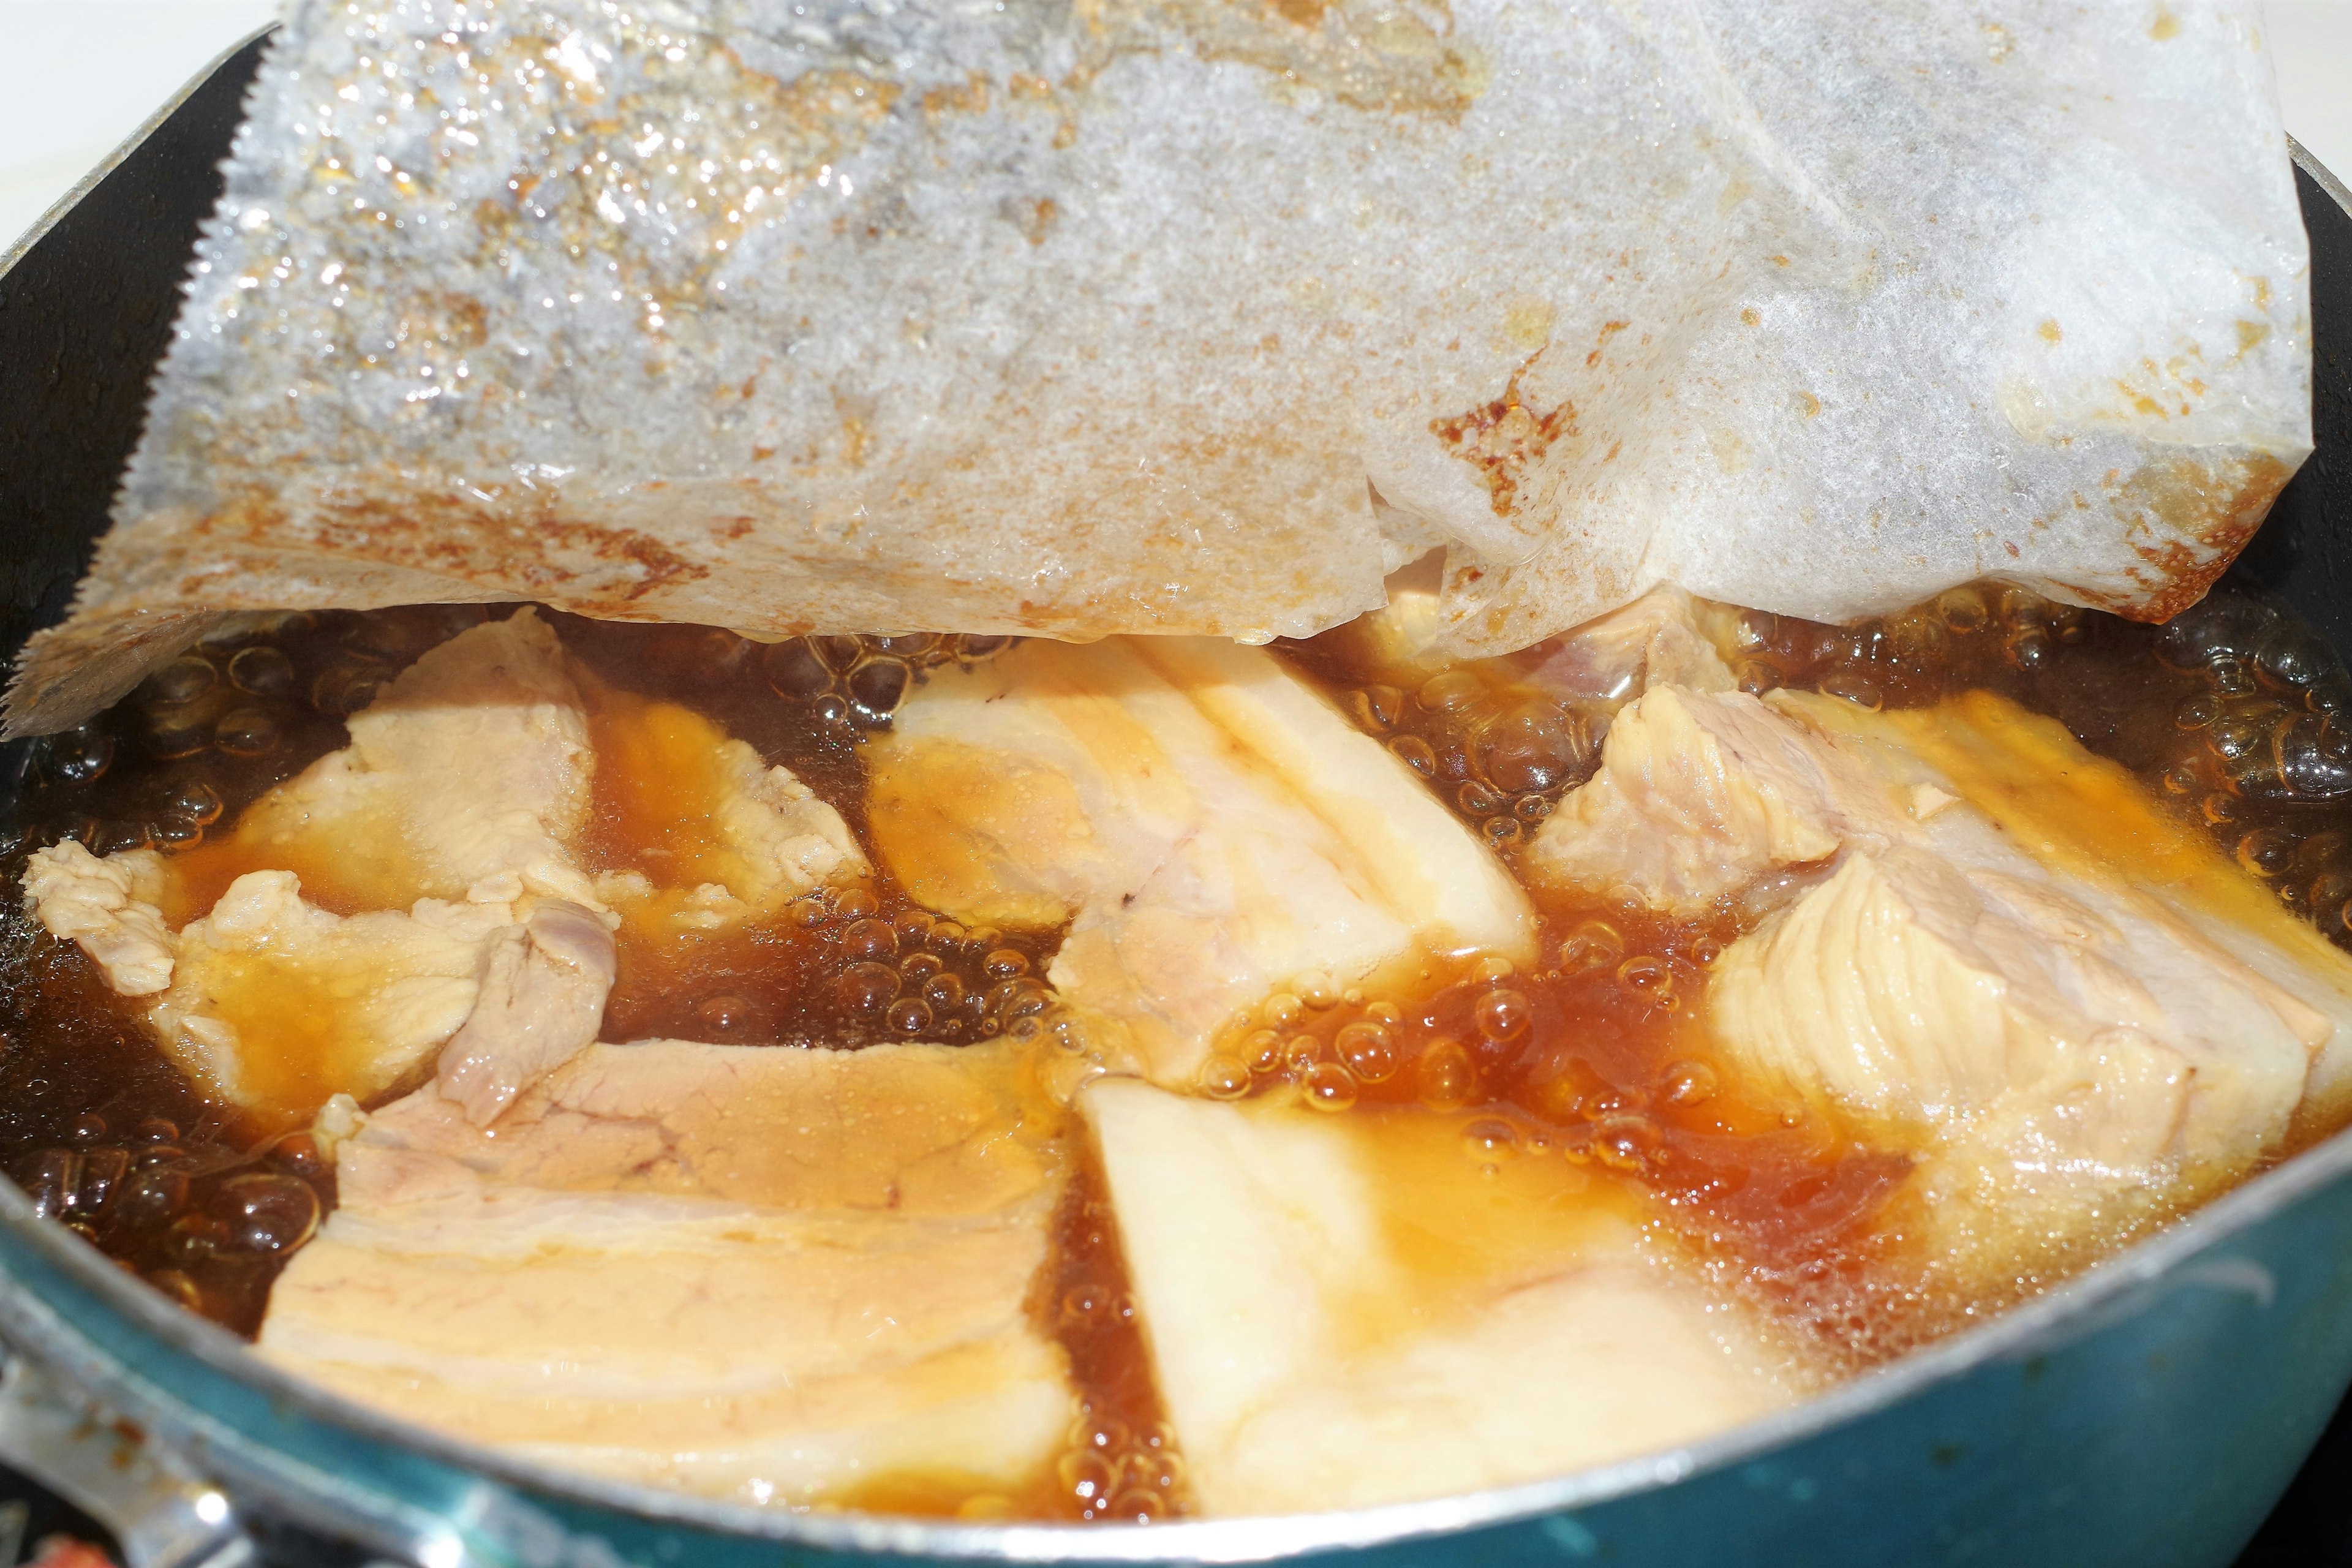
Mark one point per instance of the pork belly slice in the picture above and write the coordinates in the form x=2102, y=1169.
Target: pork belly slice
x=542, y=999
x=471, y=770
x=109, y=907
x=319, y=970
x=2043, y=1048
x=276, y=1005
x=2071, y=1007
x=467, y=780
x=772, y=1274
x=704, y=832
x=1346, y=1312
x=477, y=772
x=1698, y=795
x=2088, y=823
x=1659, y=639
x=1210, y=829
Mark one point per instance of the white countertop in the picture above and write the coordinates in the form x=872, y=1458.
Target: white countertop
x=2311, y=50
x=78, y=75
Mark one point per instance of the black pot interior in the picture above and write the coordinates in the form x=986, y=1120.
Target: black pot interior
x=2304, y=553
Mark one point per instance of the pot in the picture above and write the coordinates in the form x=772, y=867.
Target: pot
x=2147, y=1414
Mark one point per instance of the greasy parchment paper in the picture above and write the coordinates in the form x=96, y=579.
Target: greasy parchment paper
x=1074, y=317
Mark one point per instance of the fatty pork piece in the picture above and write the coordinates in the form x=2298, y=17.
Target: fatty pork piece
x=2091, y=826
x=1661, y=639
x=710, y=835
x=466, y=779
x=276, y=1005
x=770, y=1274
x=2004, y=958
x=110, y=909
x=469, y=772
x=1698, y=793
x=543, y=988
x=1344, y=1312
x=1210, y=829
x=2078, y=1002
x=356, y=902
x=475, y=773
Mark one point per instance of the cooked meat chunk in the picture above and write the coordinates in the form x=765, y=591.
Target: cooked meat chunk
x=1656, y=640
x=109, y=907
x=2054, y=1022
x=789, y=841
x=1343, y=1312
x=2089, y=822
x=470, y=771
x=451, y=813
x=542, y=999
x=1209, y=829
x=1604, y=1363
x=765, y=1273
x=466, y=781
x=915, y=1128
x=467, y=778
x=471, y=775
x=2098, y=1042
x=1420, y=863
x=494, y=768
x=276, y=1003
x=704, y=832
x=1698, y=795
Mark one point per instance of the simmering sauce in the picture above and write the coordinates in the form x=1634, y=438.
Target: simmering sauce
x=1591, y=1058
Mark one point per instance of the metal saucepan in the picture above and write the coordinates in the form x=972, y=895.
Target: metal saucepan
x=2147, y=1415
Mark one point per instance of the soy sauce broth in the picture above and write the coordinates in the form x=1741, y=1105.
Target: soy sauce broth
x=2233, y=714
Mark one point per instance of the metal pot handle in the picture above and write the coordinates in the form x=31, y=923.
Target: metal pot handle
x=162, y=1513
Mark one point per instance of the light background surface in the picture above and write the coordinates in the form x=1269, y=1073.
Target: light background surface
x=78, y=75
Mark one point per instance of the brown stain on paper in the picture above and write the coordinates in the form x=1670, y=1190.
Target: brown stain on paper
x=2218, y=504
x=518, y=545
x=1504, y=438
x=1377, y=56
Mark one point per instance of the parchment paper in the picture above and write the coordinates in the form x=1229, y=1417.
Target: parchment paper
x=1074, y=317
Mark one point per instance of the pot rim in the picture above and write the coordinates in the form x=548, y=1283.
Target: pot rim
x=2048, y=1322
x=17, y=248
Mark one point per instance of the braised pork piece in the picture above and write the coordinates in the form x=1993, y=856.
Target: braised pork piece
x=1115, y=1081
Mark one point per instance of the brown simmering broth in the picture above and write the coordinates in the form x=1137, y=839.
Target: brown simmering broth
x=2233, y=713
